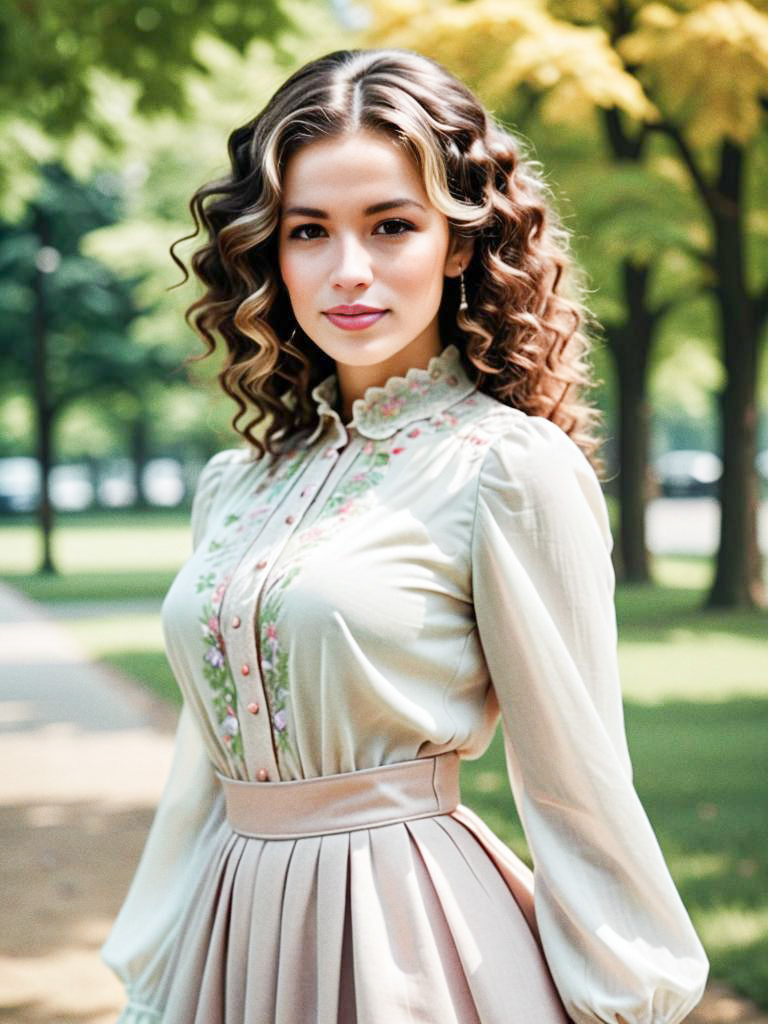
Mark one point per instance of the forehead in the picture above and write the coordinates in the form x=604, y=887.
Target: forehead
x=358, y=168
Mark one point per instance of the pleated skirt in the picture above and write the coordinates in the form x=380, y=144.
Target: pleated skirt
x=422, y=920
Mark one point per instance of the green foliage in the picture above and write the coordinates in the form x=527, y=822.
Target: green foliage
x=51, y=50
x=84, y=308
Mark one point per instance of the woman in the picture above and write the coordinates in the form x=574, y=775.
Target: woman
x=415, y=544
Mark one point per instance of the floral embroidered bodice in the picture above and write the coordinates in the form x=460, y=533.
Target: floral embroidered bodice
x=283, y=532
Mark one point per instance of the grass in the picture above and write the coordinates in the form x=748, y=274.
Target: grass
x=696, y=703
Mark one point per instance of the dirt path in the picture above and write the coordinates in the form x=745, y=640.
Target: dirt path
x=83, y=758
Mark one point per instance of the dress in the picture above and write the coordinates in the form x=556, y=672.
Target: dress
x=383, y=593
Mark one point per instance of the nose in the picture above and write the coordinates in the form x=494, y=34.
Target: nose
x=352, y=268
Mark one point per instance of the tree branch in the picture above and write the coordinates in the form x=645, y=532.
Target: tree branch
x=706, y=191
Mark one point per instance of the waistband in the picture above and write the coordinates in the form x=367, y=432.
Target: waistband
x=368, y=798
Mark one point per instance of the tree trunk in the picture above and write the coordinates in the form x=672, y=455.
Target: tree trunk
x=139, y=453
x=738, y=577
x=43, y=405
x=631, y=344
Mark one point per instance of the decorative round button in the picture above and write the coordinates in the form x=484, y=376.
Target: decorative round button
x=289, y=520
x=262, y=774
x=261, y=565
x=246, y=670
x=236, y=622
x=253, y=707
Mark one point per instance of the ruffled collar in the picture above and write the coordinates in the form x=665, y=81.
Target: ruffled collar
x=421, y=393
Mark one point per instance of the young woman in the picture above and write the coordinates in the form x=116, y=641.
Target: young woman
x=411, y=544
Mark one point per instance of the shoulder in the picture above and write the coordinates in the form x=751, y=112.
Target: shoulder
x=531, y=463
x=209, y=482
x=528, y=447
x=217, y=466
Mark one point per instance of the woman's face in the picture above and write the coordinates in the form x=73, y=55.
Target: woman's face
x=363, y=253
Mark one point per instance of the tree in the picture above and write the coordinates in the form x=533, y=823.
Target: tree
x=697, y=78
x=53, y=52
x=65, y=332
x=707, y=72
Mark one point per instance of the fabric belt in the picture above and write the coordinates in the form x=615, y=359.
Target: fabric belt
x=368, y=798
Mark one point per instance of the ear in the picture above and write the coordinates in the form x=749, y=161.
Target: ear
x=459, y=254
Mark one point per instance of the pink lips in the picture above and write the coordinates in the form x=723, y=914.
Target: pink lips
x=354, y=318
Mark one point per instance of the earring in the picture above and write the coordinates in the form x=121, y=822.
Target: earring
x=463, y=307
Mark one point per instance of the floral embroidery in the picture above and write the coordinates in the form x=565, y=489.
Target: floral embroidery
x=274, y=662
x=236, y=534
x=280, y=473
x=383, y=408
x=216, y=671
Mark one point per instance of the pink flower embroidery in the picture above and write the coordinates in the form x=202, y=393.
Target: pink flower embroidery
x=391, y=407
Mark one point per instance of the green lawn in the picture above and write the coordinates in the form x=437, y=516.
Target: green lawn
x=696, y=700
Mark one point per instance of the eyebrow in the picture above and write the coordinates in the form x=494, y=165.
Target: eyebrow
x=389, y=204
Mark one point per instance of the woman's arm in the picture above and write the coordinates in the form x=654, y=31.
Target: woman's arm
x=179, y=843
x=618, y=940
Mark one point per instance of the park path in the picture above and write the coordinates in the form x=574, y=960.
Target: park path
x=83, y=757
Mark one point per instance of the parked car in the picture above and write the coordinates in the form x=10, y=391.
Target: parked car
x=117, y=487
x=163, y=482
x=19, y=484
x=72, y=488
x=688, y=473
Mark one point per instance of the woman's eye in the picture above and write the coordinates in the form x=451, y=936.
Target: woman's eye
x=307, y=231
x=393, y=227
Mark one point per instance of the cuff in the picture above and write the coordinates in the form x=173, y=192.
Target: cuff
x=139, y=1013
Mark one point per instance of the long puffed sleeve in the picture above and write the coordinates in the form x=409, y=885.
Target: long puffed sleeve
x=178, y=846
x=176, y=853
x=615, y=933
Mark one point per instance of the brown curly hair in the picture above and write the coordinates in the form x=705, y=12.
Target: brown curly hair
x=523, y=336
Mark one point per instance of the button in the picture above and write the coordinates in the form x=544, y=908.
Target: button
x=246, y=670
x=253, y=707
x=236, y=622
x=329, y=453
x=289, y=520
x=262, y=775
x=261, y=565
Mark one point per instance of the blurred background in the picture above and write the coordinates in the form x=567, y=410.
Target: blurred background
x=651, y=121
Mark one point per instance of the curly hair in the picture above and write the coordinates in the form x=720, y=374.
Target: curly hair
x=523, y=337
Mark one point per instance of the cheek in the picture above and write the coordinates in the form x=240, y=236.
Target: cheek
x=421, y=266
x=295, y=277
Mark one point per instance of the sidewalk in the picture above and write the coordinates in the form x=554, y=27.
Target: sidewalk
x=83, y=758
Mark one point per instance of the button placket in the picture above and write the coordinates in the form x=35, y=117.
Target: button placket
x=241, y=605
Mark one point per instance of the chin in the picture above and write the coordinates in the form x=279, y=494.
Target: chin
x=361, y=351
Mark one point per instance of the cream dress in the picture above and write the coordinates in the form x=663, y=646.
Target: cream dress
x=379, y=594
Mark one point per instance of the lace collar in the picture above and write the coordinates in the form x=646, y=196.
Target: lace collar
x=382, y=411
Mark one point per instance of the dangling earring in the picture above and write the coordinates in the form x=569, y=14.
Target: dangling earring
x=463, y=307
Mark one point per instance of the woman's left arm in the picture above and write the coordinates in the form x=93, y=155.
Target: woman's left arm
x=617, y=938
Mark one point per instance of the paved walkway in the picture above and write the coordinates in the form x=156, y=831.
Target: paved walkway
x=83, y=757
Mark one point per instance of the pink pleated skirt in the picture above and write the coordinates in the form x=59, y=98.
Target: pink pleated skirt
x=371, y=897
